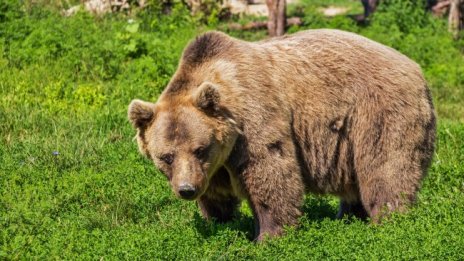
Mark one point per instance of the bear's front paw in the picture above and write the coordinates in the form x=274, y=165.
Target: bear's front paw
x=269, y=233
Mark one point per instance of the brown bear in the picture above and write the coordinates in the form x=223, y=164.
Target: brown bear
x=321, y=111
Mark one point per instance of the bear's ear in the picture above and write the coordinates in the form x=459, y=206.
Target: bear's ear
x=207, y=97
x=141, y=113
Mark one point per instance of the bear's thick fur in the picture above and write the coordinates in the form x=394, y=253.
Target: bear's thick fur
x=322, y=111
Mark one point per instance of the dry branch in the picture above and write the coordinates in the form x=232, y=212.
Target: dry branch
x=441, y=7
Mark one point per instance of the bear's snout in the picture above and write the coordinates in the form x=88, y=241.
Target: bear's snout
x=187, y=191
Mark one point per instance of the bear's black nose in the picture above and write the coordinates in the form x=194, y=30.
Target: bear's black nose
x=187, y=191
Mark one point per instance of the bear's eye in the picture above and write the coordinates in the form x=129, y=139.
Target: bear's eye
x=201, y=152
x=167, y=158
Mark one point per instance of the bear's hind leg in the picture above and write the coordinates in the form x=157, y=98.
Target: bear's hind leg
x=380, y=198
x=392, y=151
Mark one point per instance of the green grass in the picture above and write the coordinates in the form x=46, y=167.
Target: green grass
x=73, y=185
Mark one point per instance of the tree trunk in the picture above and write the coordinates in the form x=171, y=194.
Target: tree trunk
x=277, y=17
x=455, y=19
x=281, y=17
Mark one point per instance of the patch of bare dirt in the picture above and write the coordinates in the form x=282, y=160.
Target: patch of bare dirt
x=334, y=10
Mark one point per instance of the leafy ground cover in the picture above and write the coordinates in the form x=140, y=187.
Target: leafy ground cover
x=73, y=186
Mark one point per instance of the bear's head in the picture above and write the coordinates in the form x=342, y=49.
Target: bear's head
x=188, y=136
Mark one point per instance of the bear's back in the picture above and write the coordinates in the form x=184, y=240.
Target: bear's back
x=326, y=70
x=345, y=58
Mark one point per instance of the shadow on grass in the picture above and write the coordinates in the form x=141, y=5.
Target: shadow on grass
x=240, y=222
x=318, y=208
x=315, y=209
